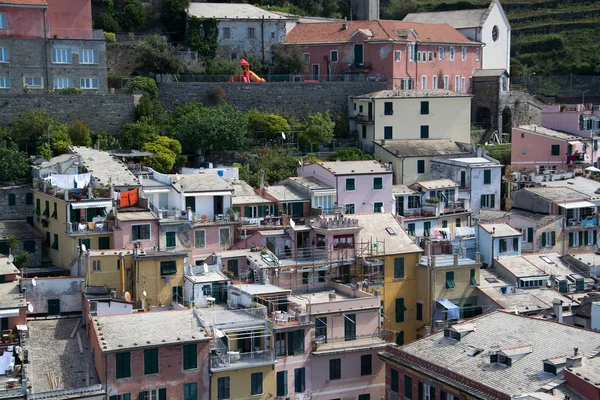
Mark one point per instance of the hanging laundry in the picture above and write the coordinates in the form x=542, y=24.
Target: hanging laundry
x=124, y=202
x=61, y=181
x=133, y=197
x=82, y=180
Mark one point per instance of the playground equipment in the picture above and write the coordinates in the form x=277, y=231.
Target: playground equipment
x=247, y=75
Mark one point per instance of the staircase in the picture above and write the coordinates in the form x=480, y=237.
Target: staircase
x=256, y=277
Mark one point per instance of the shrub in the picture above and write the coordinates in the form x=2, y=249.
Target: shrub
x=216, y=95
x=224, y=67
x=107, y=22
x=147, y=85
x=133, y=14
x=110, y=37
x=70, y=91
x=80, y=134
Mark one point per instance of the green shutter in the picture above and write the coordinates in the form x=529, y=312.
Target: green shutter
x=487, y=176
x=247, y=212
x=162, y=394
x=594, y=237
x=544, y=239
x=482, y=201
x=282, y=383
x=150, y=361
x=492, y=201
x=585, y=238
x=171, y=239
x=408, y=389
x=123, y=365
x=421, y=391
x=395, y=386
x=571, y=241
x=450, y=284
x=400, y=310
x=127, y=396
x=190, y=356
x=12, y=199
x=516, y=243
x=530, y=235
x=553, y=238
x=104, y=242
x=37, y=207
x=398, y=267
x=580, y=238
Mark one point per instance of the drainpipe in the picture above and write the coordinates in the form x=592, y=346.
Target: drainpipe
x=402, y=175
x=122, y=265
x=262, y=37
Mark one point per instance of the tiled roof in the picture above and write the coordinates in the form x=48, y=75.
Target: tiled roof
x=556, y=193
x=25, y=2
x=374, y=226
x=380, y=30
x=191, y=183
x=540, y=130
x=449, y=360
x=392, y=94
x=20, y=228
x=355, y=167
x=436, y=184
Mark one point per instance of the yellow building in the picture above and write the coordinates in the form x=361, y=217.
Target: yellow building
x=390, y=256
x=242, y=381
x=158, y=274
x=446, y=285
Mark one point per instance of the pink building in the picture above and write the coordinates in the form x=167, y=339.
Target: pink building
x=133, y=227
x=409, y=54
x=142, y=356
x=14, y=307
x=577, y=119
x=354, y=187
x=70, y=19
x=535, y=148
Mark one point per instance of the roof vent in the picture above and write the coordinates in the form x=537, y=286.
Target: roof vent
x=344, y=26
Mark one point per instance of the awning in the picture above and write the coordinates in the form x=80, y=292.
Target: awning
x=164, y=190
x=466, y=231
x=464, y=195
x=318, y=193
x=533, y=278
x=592, y=169
x=198, y=194
x=575, y=142
x=577, y=204
x=453, y=309
x=91, y=204
x=12, y=312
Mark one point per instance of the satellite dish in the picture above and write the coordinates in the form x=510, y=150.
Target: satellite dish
x=144, y=293
x=127, y=296
x=33, y=282
x=11, y=258
x=83, y=249
x=30, y=307
x=283, y=135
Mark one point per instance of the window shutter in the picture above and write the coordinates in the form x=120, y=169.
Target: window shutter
x=544, y=239
x=162, y=394
x=431, y=393
x=553, y=238
x=580, y=238
x=282, y=383
x=594, y=237
x=570, y=239
x=530, y=235
x=585, y=238
x=516, y=244
x=492, y=201
x=127, y=396
x=421, y=394
x=483, y=201
x=247, y=212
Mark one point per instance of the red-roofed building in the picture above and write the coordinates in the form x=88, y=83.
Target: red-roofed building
x=50, y=44
x=410, y=55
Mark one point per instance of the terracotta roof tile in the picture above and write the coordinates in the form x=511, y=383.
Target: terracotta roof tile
x=381, y=30
x=24, y=2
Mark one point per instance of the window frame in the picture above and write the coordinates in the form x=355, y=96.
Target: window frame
x=4, y=82
x=65, y=53
x=4, y=55
x=256, y=383
x=168, y=268
x=331, y=53
x=399, y=268
x=189, y=361
x=203, y=239
x=380, y=180
x=350, y=208
x=555, y=150
x=420, y=166
x=477, y=54
x=3, y=23
x=59, y=83
x=366, y=364
x=251, y=33
x=93, y=52
x=487, y=176
x=464, y=53
x=139, y=232
x=434, y=82
x=151, y=361
x=335, y=369
x=378, y=207
x=388, y=132
x=221, y=244
x=397, y=55
x=225, y=30
x=424, y=132
x=170, y=239
x=388, y=108
x=90, y=81
x=32, y=85
x=452, y=53
x=281, y=390
x=299, y=380
x=450, y=280
x=424, y=82
x=187, y=391
x=353, y=186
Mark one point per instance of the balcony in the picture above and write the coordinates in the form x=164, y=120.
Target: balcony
x=265, y=221
x=577, y=158
x=436, y=210
x=363, y=118
x=237, y=360
x=587, y=222
x=290, y=257
x=89, y=228
x=323, y=344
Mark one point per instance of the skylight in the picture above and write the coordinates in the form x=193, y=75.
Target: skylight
x=390, y=231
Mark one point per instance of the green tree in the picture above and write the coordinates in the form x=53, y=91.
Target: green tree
x=152, y=110
x=222, y=127
x=133, y=14
x=318, y=128
x=223, y=67
x=14, y=165
x=60, y=139
x=350, y=154
x=292, y=63
x=165, y=151
x=276, y=164
x=21, y=259
x=79, y=134
x=398, y=9
x=201, y=35
x=30, y=127
x=134, y=136
x=147, y=85
x=266, y=126
x=106, y=22
x=173, y=14
x=44, y=151
x=157, y=56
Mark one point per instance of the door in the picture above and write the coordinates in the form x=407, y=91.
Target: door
x=370, y=112
x=400, y=206
x=191, y=203
x=163, y=201
x=297, y=210
x=232, y=266
x=177, y=293
x=53, y=307
x=86, y=242
x=216, y=292
x=316, y=73
x=358, y=54
x=463, y=179
x=218, y=204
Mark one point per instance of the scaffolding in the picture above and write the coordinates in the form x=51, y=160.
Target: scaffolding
x=369, y=263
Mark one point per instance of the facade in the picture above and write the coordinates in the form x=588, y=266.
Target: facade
x=439, y=114
x=539, y=149
x=244, y=30
x=502, y=346
x=140, y=355
x=408, y=55
x=61, y=49
x=410, y=159
x=28, y=239
x=487, y=25
x=479, y=179
x=16, y=202
x=497, y=240
x=356, y=186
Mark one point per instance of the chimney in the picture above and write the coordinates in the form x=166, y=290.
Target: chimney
x=557, y=307
x=262, y=181
x=574, y=361
x=345, y=24
x=478, y=257
x=433, y=261
x=455, y=259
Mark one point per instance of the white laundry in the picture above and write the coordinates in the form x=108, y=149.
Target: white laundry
x=61, y=181
x=83, y=180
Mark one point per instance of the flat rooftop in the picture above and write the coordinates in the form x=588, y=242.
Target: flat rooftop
x=148, y=329
x=317, y=297
x=423, y=148
x=402, y=94
x=287, y=193
x=555, y=193
x=495, y=331
x=221, y=315
x=55, y=362
x=584, y=185
x=447, y=260
x=104, y=167
x=375, y=227
x=11, y=296
x=243, y=193
x=207, y=278
x=469, y=161
x=136, y=216
x=7, y=267
x=355, y=167
x=520, y=267
x=256, y=289
x=499, y=229
x=402, y=189
x=549, y=263
x=192, y=183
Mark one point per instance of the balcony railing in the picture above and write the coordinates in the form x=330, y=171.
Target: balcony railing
x=235, y=359
x=303, y=255
x=574, y=223
x=328, y=344
x=263, y=221
x=88, y=228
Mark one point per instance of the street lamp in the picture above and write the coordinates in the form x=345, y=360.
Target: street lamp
x=527, y=81
x=583, y=97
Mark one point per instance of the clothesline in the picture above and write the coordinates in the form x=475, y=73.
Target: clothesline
x=70, y=181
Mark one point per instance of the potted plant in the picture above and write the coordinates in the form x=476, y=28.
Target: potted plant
x=432, y=200
x=12, y=337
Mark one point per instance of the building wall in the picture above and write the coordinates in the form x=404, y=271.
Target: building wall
x=23, y=22
x=595, y=316
x=33, y=58
x=267, y=33
x=415, y=383
x=583, y=387
x=70, y=18
x=240, y=383
x=21, y=209
x=564, y=121
x=212, y=239
x=109, y=274
x=290, y=363
x=123, y=234
x=65, y=289
x=171, y=374
x=405, y=168
x=35, y=257
x=496, y=54
x=351, y=384
x=159, y=289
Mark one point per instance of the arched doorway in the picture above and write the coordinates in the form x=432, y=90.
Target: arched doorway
x=507, y=120
x=484, y=118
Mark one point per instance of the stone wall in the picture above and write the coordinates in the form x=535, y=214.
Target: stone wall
x=120, y=58
x=22, y=209
x=295, y=97
x=106, y=113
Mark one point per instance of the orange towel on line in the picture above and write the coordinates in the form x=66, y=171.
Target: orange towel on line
x=124, y=199
x=133, y=197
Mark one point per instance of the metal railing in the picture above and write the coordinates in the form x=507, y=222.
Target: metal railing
x=265, y=221
x=303, y=254
x=76, y=228
x=342, y=342
x=235, y=359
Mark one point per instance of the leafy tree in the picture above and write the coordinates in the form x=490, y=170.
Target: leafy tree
x=350, y=154
x=30, y=127
x=165, y=152
x=157, y=56
x=266, y=126
x=21, y=259
x=201, y=35
x=257, y=66
x=292, y=63
x=147, y=85
x=223, y=67
x=173, y=14
x=318, y=128
x=107, y=22
x=60, y=139
x=103, y=141
x=134, y=136
x=152, y=110
x=80, y=134
x=133, y=14
x=277, y=165
x=14, y=165
x=222, y=127
x=44, y=151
